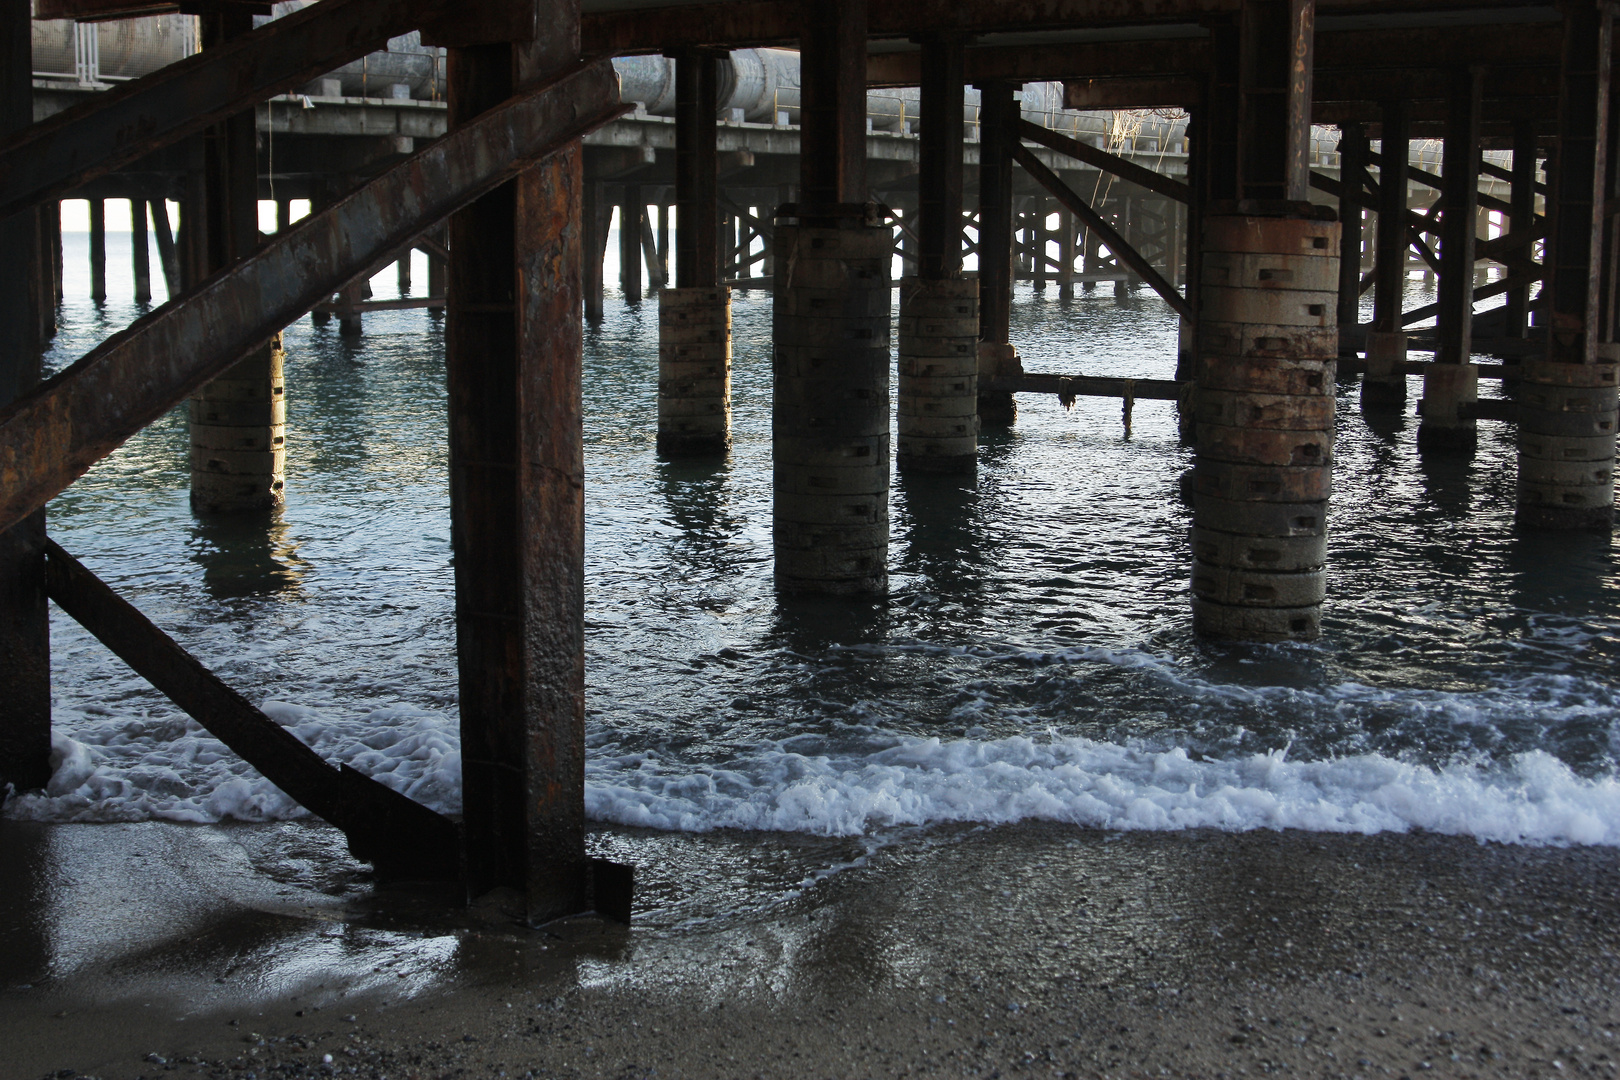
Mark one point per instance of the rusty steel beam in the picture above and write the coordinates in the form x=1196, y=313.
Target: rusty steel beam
x=1105, y=232
x=399, y=835
x=1126, y=170
x=1152, y=92
x=119, y=126
x=98, y=10
x=52, y=436
x=1073, y=386
x=776, y=22
x=1354, y=65
x=1028, y=63
x=739, y=23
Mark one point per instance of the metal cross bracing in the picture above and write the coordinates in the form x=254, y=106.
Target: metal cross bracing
x=1232, y=217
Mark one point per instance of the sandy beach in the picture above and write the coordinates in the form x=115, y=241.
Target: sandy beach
x=1036, y=950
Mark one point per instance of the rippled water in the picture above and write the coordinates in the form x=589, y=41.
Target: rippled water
x=1034, y=658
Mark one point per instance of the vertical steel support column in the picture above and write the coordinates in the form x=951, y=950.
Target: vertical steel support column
x=1451, y=383
x=238, y=421
x=25, y=650
x=1127, y=231
x=513, y=340
x=649, y=252
x=597, y=213
x=694, y=318
x=402, y=274
x=664, y=210
x=1267, y=345
x=98, y=250
x=1522, y=217
x=1353, y=150
x=939, y=313
x=140, y=251
x=437, y=271
x=997, y=356
x=44, y=295
x=830, y=328
x=1383, y=388
x=1567, y=402
x=631, y=212
x=168, y=255
x=1066, y=231
x=1198, y=157
x=1038, y=239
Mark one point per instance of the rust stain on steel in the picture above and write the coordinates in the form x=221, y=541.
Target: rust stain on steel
x=122, y=125
x=52, y=436
x=1093, y=220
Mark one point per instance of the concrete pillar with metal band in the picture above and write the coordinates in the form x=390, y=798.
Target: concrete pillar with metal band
x=239, y=437
x=1567, y=401
x=998, y=357
x=694, y=318
x=237, y=421
x=1451, y=383
x=1264, y=408
x=830, y=413
x=830, y=330
x=1383, y=388
x=1567, y=418
x=939, y=309
x=694, y=371
x=939, y=375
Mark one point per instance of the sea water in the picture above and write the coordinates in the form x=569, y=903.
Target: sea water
x=1033, y=659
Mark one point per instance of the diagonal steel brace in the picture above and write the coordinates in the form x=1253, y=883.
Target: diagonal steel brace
x=122, y=125
x=53, y=435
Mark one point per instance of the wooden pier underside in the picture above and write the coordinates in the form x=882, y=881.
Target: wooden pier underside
x=532, y=150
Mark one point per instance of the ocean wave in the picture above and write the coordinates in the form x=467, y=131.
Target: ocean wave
x=129, y=772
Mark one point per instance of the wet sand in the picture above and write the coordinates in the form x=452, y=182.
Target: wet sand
x=1037, y=950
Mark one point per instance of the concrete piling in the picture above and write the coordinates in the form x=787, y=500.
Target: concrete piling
x=939, y=375
x=1264, y=409
x=830, y=409
x=694, y=371
x=694, y=318
x=239, y=437
x=1567, y=416
x=1567, y=400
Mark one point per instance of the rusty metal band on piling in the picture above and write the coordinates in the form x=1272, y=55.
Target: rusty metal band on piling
x=830, y=410
x=1264, y=410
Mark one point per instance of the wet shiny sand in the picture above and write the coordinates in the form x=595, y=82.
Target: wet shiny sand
x=1032, y=950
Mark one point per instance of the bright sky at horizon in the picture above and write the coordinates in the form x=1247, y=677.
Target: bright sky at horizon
x=76, y=214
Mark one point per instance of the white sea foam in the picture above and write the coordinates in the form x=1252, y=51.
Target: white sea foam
x=171, y=769
x=135, y=770
x=1532, y=799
